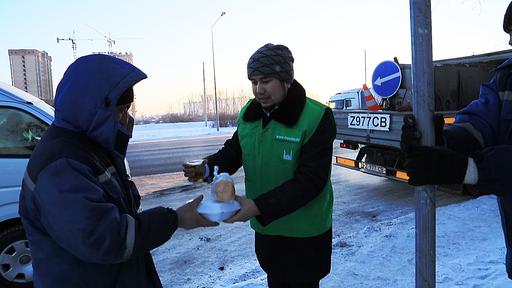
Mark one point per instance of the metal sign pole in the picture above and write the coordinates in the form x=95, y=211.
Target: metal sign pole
x=423, y=107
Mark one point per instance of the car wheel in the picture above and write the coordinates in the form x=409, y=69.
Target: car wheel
x=15, y=259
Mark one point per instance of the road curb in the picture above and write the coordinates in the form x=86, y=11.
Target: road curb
x=160, y=183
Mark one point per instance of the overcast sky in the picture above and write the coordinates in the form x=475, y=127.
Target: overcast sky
x=171, y=39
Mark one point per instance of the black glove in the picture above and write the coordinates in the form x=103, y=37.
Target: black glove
x=438, y=129
x=411, y=135
x=435, y=165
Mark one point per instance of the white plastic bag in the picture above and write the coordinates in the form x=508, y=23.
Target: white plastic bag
x=223, y=186
x=221, y=204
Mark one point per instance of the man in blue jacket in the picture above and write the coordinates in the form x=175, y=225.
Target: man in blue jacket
x=77, y=203
x=476, y=149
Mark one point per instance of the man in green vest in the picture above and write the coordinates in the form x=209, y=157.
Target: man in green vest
x=284, y=142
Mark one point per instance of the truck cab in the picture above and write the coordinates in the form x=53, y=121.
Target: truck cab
x=352, y=99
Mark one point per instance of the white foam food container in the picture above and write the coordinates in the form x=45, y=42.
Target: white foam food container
x=217, y=211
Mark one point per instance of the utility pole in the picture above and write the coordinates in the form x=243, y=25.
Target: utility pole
x=214, y=78
x=365, y=66
x=205, y=101
x=423, y=109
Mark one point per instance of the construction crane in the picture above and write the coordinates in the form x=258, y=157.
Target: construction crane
x=73, y=42
x=109, y=39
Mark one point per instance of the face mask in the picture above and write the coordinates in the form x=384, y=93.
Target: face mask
x=128, y=128
x=123, y=136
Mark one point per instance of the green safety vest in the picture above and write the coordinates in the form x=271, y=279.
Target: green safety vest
x=270, y=157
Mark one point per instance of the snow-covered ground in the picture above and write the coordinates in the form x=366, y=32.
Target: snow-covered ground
x=373, y=240
x=164, y=131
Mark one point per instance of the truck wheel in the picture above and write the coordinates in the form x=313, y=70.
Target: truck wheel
x=15, y=258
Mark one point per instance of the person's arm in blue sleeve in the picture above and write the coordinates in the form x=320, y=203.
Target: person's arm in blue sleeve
x=77, y=217
x=493, y=165
x=476, y=125
x=461, y=159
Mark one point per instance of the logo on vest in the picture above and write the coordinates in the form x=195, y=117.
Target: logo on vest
x=288, y=138
x=287, y=156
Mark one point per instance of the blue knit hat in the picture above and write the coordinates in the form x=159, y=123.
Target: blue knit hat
x=271, y=61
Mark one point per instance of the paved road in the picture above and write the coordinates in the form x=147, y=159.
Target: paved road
x=156, y=157
x=167, y=156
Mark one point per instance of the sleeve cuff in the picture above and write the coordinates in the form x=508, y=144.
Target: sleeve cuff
x=263, y=218
x=471, y=172
x=206, y=171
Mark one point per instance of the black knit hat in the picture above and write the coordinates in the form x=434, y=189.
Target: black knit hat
x=507, y=19
x=126, y=97
x=271, y=61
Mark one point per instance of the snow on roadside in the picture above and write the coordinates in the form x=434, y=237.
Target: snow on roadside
x=470, y=250
x=165, y=131
x=378, y=250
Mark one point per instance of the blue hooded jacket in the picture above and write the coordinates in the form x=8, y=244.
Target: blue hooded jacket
x=483, y=131
x=87, y=94
x=77, y=205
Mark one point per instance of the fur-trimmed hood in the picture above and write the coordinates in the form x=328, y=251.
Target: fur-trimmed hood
x=289, y=109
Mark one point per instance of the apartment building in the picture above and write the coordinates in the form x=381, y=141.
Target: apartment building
x=31, y=71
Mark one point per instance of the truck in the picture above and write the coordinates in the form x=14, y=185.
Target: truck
x=375, y=135
x=352, y=99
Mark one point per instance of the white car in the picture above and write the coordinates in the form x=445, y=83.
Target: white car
x=23, y=120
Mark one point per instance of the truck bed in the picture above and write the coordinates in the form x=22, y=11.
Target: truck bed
x=376, y=134
x=386, y=138
x=367, y=136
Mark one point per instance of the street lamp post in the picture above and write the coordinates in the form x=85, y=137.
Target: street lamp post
x=214, y=78
x=205, y=107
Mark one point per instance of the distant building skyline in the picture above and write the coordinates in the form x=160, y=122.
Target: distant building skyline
x=31, y=71
x=334, y=47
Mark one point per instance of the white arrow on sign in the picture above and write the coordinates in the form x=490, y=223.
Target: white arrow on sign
x=387, y=78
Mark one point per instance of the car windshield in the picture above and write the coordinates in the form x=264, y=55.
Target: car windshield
x=19, y=132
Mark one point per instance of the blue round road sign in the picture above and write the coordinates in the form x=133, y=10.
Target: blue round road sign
x=386, y=79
